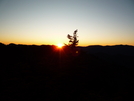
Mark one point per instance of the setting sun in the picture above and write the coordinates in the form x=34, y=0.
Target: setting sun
x=59, y=45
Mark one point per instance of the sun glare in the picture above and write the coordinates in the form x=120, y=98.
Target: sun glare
x=59, y=45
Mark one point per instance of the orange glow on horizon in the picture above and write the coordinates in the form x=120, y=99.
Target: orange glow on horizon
x=60, y=45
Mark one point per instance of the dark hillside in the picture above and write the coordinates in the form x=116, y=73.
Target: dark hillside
x=97, y=73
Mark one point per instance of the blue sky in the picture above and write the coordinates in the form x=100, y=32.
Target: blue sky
x=101, y=22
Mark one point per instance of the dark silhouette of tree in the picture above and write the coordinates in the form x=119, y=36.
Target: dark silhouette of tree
x=71, y=46
x=73, y=42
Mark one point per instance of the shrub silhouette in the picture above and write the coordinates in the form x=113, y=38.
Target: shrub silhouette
x=73, y=42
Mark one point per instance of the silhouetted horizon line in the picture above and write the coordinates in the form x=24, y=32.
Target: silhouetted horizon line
x=64, y=45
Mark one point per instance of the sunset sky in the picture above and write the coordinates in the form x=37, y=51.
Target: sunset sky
x=99, y=22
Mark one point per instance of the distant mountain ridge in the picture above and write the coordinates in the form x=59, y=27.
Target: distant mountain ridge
x=112, y=50
x=121, y=55
x=126, y=50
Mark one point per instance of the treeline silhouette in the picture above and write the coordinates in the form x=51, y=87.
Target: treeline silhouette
x=96, y=73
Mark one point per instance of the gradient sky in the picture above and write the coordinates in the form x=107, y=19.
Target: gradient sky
x=99, y=22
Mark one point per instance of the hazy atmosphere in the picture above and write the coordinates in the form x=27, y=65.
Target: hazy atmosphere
x=99, y=22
